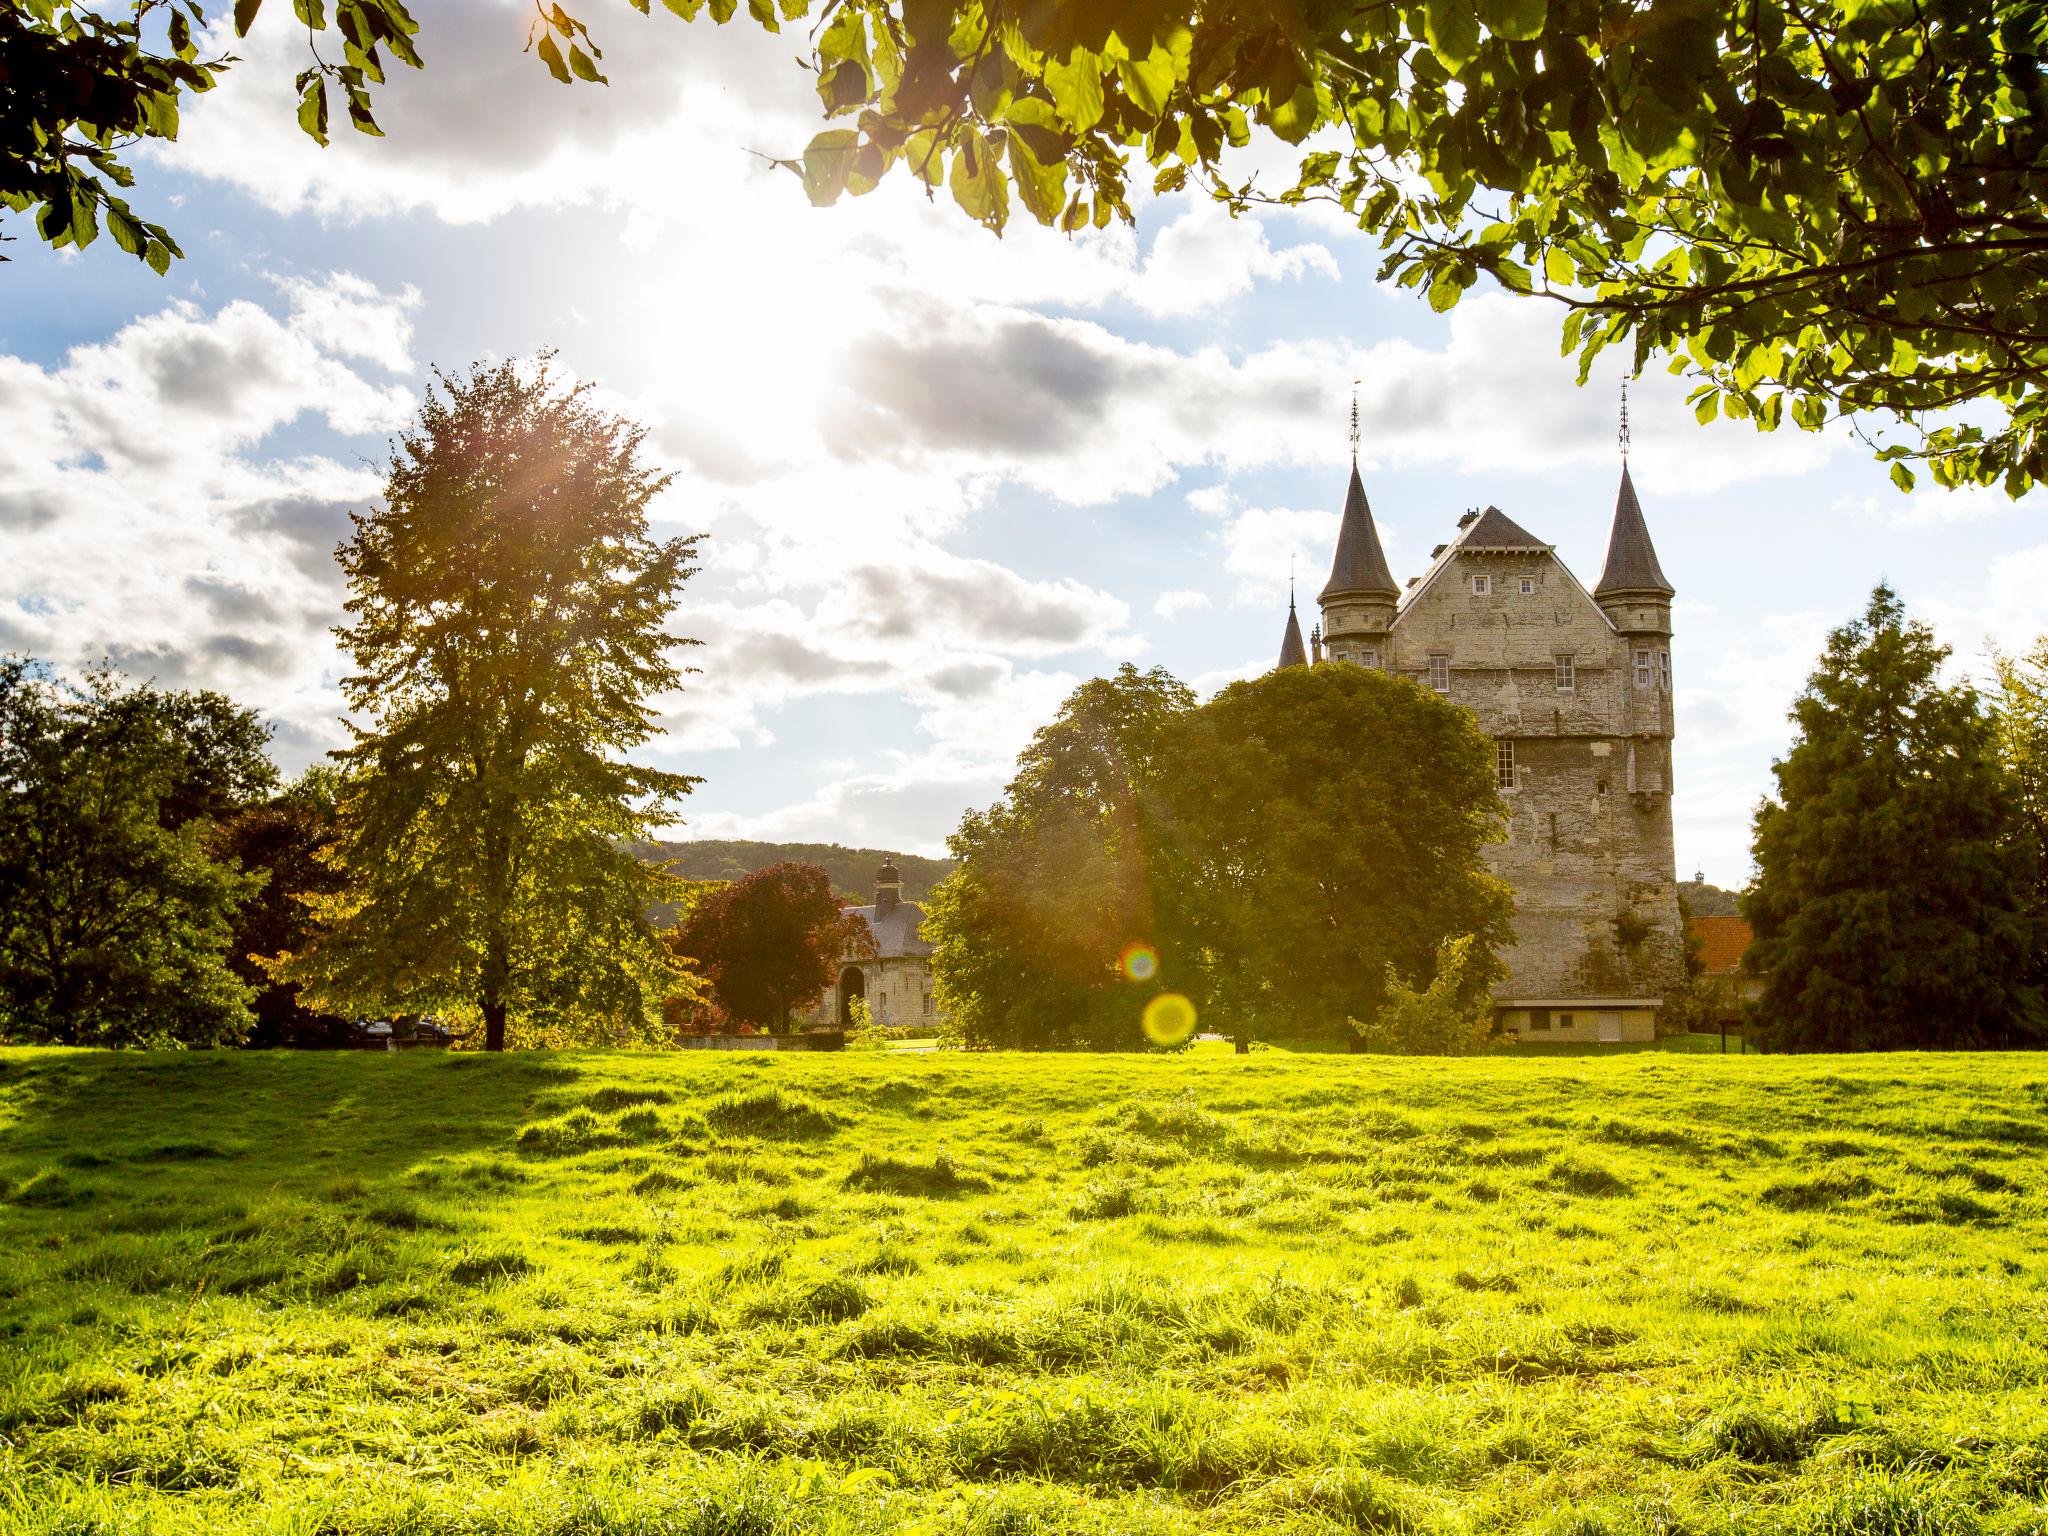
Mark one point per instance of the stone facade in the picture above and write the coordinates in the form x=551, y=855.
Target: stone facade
x=896, y=979
x=1575, y=689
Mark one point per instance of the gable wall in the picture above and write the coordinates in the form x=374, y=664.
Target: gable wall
x=1582, y=847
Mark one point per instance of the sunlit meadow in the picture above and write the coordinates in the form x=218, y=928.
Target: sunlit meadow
x=718, y=1294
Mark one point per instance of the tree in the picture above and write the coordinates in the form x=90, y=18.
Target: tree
x=1053, y=886
x=509, y=634
x=2021, y=718
x=1892, y=904
x=770, y=942
x=1811, y=206
x=1451, y=1016
x=1328, y=827
x=114, y=919
x=1270, y=854
x=287, y=839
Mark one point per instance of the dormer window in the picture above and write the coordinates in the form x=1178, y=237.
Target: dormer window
x=1482, y=586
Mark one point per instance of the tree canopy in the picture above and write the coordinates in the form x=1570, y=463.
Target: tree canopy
x=769, y=943
x=1275, y=855
x=115, y=915
x=510, y=633
x=1811, y=207
x=1893, y=903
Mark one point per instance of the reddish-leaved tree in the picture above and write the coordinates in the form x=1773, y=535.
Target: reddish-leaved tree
x=769, y=943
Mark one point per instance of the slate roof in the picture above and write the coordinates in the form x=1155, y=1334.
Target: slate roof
x=1493, y=529
x=895, y=932
x=1631, y=558
x=1723, y=943
x=1361, y=565
x=1292, y=652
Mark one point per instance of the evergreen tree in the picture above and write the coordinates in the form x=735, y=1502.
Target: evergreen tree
x=1892, y=903
x=509, y=633
x=114, y=916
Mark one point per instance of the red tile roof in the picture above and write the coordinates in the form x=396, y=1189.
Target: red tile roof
x=1723, y=942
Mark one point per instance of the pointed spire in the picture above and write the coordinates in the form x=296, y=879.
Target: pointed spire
x=1292, y=652
x=1631, y=557
x=1361, y=565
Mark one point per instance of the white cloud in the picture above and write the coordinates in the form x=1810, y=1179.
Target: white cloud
x=1930, y=505
x=143, y=521
x=1261, y=544
x=1171, y=605
x=1206, y=257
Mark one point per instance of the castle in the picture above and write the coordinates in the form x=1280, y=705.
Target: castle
x=1575, y=690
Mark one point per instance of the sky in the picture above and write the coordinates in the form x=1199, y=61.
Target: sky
x=941, y=477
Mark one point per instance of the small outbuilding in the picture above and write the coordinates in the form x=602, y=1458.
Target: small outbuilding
x=896, y=980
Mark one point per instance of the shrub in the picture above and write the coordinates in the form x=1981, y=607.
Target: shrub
x=1452, y=1016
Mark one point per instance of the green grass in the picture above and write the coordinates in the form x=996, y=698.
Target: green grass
x=751, y=1294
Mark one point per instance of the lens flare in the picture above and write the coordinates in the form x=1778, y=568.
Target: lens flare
x=1140, y=962
x=1169, y=1019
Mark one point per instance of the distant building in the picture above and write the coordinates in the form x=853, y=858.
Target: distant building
x=1574, y=687
x=897, y=979
x=1723, y=982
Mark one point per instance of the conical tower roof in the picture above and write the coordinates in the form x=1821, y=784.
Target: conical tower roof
x=1361, y=565
x=1292, y=652
x=1631, y=557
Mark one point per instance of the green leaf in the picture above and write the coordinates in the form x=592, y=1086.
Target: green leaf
x=313, y=111
x=551, y=56
x=126, y=230
x=1902, y=477
x=1148, y=81
x=1445, y=290
x=828, y=159
x=1521, y=20
x=1452, y=30
x=245, y=13
x=158, y=256
x=1076, y=87
x=583, y=67
x=978, y=184
x=1558, y=267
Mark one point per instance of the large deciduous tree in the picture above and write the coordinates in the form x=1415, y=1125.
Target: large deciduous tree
x=1054, y=881
x=1893, y=903
x=1271, y=854
x=1812, y=206
x=769, y=942
x=1329, y=827
x=510, y=634
x=115, y=916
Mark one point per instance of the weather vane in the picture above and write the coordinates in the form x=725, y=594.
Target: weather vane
x=1624, y=418
x=1354, y=422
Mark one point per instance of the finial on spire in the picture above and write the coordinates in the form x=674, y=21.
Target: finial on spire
x=1624, y=419
x=1290, y=582
x=1354, y=422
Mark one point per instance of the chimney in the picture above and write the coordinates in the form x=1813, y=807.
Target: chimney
x=888, y=887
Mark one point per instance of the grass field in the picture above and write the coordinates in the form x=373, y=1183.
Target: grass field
x=733, y=1295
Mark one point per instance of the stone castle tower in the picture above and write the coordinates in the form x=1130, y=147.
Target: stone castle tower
x=1575, y=690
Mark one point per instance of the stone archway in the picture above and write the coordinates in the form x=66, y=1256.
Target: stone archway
x=853, y=982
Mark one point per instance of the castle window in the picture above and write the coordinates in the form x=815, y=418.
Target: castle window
x=1504, y=764
x=1567, y=672
x=1482, y=586
x=1643, y=677
x=927, y=1005
x=1440, y=671
x=1369, y=657
x=1528, y=586
x=1664, y=670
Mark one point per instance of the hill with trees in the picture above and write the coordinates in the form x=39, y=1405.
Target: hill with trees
x=852, y=870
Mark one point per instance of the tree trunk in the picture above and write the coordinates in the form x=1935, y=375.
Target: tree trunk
x=494, y=1025
x=1244, y=1044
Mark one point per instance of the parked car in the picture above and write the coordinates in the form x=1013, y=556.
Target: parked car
x=406, y=1032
